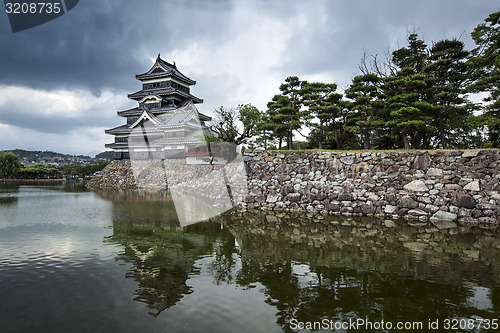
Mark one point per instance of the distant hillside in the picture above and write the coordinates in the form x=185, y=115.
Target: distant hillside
x=105, y=155
x=41, y=154
x=28, y=157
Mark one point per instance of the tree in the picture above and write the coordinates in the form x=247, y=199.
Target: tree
x=413, y=56
x=90, y=169
x=226, y=124
x=73, y=169
x=264, y=129
x=405, y=92
x=322, y=102
x=251, y=118
x=366, y=101
x=486, y=62
x=276, y=121
x=448, y=75
x=407, y=106
x=9, y=164
x=342, y=134
x=291, y=115
x=39, y=171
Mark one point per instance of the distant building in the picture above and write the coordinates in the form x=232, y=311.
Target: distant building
x=166, y=122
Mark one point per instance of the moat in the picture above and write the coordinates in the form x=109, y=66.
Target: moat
x=79, y=261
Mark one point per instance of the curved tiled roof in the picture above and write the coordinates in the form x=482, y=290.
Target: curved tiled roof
x=162, y=92
x=161, y=68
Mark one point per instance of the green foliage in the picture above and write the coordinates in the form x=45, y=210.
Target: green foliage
x=226, y=124
x=11, y=168
x=448, y=73
x=289, y=111
x=276, y=120
x=304, y=145
x=486, y=63
x=250, y=117
x=9, y=164
x=209, y=138
x=105, y=155
x=323, y=104
x=407, y=109
x=90, y=169
x=34, y=155
x=366, y=103
x=39, y=171
x=413, y=56
x=78, y=170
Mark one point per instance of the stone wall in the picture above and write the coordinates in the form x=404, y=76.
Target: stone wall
x=445, y=187
x=117, y=175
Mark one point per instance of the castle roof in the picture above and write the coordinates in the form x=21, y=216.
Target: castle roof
x=161, y=68
x=137, y=111
x=162, y=92
x=185, y=116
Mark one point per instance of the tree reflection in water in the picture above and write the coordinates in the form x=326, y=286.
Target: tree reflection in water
x=9, y=193
x=358, y=268
x=316, y=267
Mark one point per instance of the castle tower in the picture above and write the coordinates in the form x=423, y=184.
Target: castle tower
x=165, y=91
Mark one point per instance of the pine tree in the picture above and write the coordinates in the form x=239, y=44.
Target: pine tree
x=413, y=56
x=322, y=103
x=341, y=133
x=366, y=102
x=291, y=113
x=405, y=93
x=265, y=135
x=276, y=120
x=447, y=77
x=408, y=109
x=486, y=61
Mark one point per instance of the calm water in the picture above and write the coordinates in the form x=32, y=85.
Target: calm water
x=75, y=261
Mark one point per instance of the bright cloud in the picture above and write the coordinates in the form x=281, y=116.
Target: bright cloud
x=242, y=65
x=71, y=121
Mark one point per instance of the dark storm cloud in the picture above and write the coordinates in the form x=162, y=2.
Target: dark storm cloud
x=44, y=124
x=101, y=43
x=238, y=51
x=340, y=32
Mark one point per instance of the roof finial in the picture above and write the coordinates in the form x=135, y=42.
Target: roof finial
x=158, y=56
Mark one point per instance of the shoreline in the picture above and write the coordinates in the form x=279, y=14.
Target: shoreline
x=32, y=180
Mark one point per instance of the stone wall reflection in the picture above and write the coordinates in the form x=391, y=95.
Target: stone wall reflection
x=414, y=248
x=310, y=267
x=142, y=207
x=339, y=268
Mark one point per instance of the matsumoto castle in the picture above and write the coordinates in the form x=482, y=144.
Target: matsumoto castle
x=166, y=123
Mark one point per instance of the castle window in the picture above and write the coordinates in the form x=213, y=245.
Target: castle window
x=121, y=139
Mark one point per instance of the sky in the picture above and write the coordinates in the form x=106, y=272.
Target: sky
x=62, y=82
